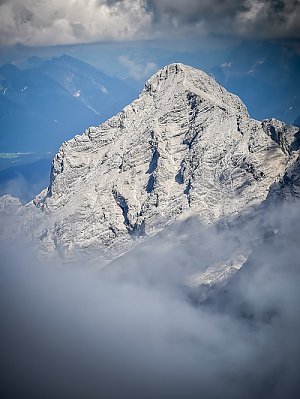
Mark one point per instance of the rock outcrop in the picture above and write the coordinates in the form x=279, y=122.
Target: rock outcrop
x=186, y=147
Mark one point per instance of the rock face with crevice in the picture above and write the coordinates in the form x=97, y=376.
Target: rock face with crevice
x=186, y=147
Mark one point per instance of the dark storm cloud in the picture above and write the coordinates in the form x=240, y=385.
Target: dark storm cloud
x=191, y=11
x=68, y=333
x=245, y=18
x=36, y=22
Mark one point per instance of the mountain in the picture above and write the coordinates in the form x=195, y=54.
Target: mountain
x=50, y=100
x=186, y=148
x=264, y=74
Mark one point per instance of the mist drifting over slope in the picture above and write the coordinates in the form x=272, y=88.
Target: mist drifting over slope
x=73, y=332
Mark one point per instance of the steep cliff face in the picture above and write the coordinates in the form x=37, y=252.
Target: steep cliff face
x=288, y=137
x=186, y=147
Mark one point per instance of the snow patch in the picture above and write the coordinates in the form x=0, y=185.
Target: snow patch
x=104, y=89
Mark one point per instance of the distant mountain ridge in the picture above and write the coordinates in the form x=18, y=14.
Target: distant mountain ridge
x=50, y=100
x=265, y=76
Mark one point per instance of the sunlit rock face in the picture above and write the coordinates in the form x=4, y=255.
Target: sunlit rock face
x=186, y=147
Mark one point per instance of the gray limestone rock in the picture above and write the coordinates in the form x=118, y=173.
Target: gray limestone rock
x=185, y=148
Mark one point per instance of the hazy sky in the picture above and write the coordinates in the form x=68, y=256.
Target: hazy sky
x=40, y=22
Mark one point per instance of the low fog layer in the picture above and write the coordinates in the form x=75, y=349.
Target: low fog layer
x=70, y=331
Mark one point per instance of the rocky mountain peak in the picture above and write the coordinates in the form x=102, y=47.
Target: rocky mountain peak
x=183, y=78
x=186, y=147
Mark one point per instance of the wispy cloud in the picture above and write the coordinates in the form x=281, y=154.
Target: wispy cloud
x=137, y=69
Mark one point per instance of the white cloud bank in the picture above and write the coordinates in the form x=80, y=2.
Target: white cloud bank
x=40, y=22
x=136, y=331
